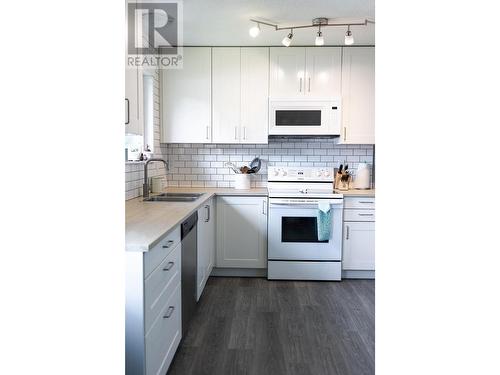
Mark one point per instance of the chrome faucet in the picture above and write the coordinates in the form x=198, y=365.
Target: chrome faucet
x=145, y=186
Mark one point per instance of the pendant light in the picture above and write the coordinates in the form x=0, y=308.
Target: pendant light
x=288, y=39
x=319, y=38
x=348, y=37
x=254, y=31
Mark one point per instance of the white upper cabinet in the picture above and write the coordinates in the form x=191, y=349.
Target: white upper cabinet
x=305, y=72
x=226, y=95
x=254, y=94
x=287, y=71
x=240, y=90
x=323, y=72
x=186, y=99
x=134, y=123
x=358, y=95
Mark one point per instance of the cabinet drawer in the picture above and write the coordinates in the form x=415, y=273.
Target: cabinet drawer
x=160, y=284
x=359, y=202
x=165, y=335
x=359, y=215
x=156, y=255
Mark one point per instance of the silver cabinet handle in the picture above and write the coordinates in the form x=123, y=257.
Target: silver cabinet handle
x=207, y=131
x=263, y=207
x=365, y=202
x=347, y=232
x=128, y=112
x=208, y=214
x=300, y=84
x=169, y=312
x=169, y=243
x=345, y=136
x=169, y=266
x=309, y=84
x=244, y=132
x=235, y=132
x=365, y=214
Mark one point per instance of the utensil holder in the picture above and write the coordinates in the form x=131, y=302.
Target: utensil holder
x=242, y=181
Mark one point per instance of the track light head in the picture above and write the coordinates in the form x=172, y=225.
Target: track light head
x=254, y=31
x=319, y=38
x=349, y=39
x=288, y=39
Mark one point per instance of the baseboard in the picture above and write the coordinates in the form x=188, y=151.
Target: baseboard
x=355, y=274
x=239, y=272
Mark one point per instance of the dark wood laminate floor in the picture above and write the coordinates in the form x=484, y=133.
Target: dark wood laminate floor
x=258, y=327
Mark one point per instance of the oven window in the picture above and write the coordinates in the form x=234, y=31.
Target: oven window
x=298, y=117
x=299, y=229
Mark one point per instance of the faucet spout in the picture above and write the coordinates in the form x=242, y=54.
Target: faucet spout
x=145, y=186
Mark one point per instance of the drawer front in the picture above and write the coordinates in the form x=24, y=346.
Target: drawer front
x=359, y=215
x=156, y=255
x=284, y=270
x=165, y=335
x=359, y=202
x=158, y=287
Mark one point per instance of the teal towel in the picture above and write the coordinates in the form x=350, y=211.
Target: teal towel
x=324, y=221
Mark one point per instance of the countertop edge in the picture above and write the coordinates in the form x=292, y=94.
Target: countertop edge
x=203, y=199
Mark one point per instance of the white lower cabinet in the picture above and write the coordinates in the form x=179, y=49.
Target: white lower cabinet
x=206, y=244
x=153, y=307
x=241, y=232
x=359, y=236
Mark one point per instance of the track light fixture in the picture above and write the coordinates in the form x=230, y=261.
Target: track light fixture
x=288, y=39
x=349, y=39
x=317, y=22
x=254, y=30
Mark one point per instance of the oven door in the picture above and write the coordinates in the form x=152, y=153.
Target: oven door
x=293, y=230
x=304, y=117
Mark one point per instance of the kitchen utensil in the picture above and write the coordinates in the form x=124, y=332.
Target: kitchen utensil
x=340, y=169
x=255, y=164
x=244, y=169
x=233, y=167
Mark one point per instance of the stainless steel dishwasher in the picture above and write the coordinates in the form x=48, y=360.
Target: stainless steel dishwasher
x=189, y=260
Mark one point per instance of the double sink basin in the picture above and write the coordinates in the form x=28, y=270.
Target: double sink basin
x=174, y=197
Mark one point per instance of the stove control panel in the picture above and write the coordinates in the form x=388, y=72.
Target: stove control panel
x=323, y=174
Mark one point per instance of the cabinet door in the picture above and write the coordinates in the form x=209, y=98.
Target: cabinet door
x=206, y=245
x=358, y=95
x=287, y=67
x=323, y=72
x=133, y=102
x=254, y=94
x=186, y=99
x=359, y=246
x=226, y=95
x=241, y=232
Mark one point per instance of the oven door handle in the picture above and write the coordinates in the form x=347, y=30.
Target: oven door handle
x=301, y=204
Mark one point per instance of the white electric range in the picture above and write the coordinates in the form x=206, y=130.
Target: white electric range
x=294, y=251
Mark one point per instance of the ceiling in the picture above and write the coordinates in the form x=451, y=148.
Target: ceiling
x=226, y=22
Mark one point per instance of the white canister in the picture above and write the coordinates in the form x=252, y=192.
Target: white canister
x=242, y=181
x=362, y=180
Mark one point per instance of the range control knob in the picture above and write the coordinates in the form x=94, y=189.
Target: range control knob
x=276, y=172
x=327, y=173
x=318, y=173
x=284, y=172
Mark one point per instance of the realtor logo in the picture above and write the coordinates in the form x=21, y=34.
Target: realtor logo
x=154, y=33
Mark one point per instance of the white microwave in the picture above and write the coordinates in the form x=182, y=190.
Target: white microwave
x=304, y=116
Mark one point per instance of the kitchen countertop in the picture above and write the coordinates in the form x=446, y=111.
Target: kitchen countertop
x=357, y=193
x=146, y=223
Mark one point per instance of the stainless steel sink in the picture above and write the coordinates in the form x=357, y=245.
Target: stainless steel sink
x=174, y=197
